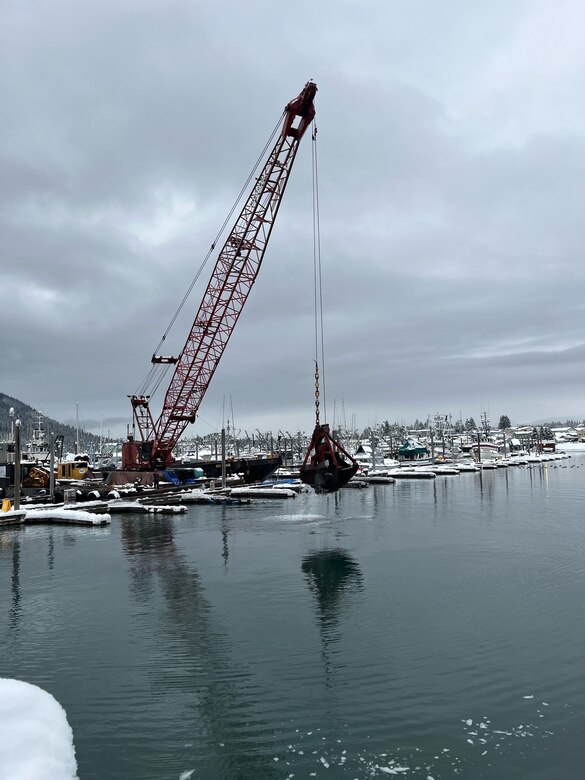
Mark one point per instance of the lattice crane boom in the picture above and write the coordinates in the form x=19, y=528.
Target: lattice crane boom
x=230, y=284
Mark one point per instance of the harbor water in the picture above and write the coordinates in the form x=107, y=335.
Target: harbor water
x=425, y=629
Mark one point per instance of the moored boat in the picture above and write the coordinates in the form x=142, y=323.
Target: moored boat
x=411, y=473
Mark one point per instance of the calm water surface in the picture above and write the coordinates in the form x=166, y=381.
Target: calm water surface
x=421, y=629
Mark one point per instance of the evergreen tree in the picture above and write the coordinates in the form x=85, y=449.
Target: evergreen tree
x=470, y=425
x=504, y=422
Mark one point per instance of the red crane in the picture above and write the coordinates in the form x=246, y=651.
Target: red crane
x=232, y=278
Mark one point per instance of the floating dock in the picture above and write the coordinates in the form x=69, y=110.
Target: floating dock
x=66, y=517
x=12, y=517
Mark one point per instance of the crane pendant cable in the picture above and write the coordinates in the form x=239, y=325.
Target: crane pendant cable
x=327, y=465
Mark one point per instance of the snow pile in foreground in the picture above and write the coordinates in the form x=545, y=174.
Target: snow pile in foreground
x=37, y=741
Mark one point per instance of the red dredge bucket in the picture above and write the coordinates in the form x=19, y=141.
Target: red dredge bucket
x=327, y=465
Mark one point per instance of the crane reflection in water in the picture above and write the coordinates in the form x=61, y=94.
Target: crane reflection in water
x=207, y=680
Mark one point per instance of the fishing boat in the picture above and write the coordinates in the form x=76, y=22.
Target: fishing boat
x=413, y=450
x=485, y=451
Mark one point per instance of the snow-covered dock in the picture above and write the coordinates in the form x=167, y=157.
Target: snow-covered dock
x=165, y=509
x=12, y=517
x=66, y=517
x=95, y=507
x=219, y=497
x=119, y=507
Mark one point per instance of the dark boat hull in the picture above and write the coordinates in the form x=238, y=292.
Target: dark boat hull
x=251, y=469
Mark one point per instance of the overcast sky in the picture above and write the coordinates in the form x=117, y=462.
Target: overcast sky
x=451, y=153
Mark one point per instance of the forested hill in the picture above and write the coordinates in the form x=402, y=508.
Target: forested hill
x=28, y=417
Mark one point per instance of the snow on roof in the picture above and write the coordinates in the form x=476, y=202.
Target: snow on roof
x=37, y=741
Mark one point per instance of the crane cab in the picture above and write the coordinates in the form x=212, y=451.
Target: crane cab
x=138, y=455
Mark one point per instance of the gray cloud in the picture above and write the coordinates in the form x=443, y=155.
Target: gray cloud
x=451, y=169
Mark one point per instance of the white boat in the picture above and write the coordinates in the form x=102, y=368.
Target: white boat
x=371, y=460
x=487, y=450
x=534, y=458
x=571, y=446
x=411, y=473
x=467, y=467
x=490, y=463
x=518, y=458
x=442, y=470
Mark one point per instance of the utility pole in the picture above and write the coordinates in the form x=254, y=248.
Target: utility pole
x=17, y=464
x=223, y=475
x=77, y=426
x=52, y=469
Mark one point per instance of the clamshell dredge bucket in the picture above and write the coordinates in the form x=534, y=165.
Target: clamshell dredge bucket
x=327, y=466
